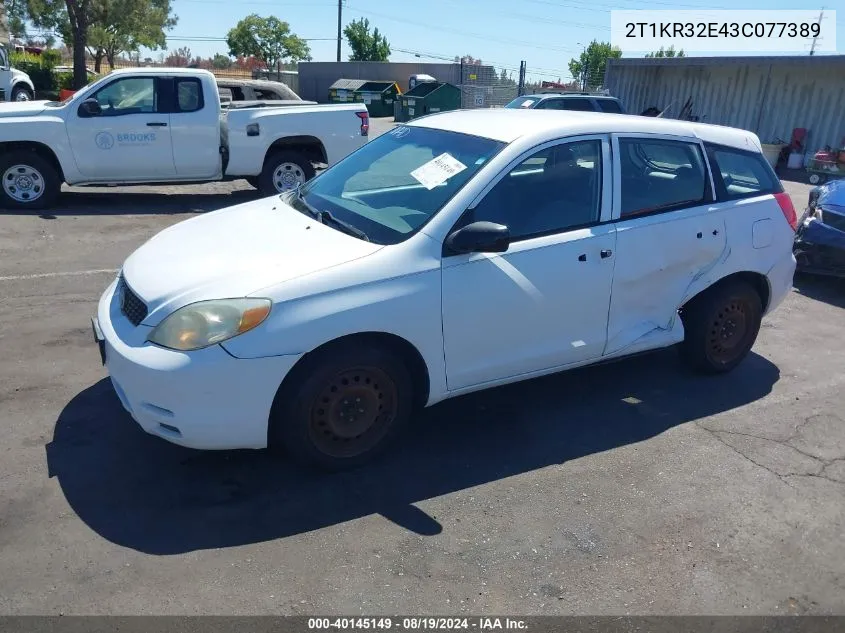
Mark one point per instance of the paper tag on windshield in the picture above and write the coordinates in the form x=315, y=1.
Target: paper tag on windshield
x=437, y=171
x=527, y=103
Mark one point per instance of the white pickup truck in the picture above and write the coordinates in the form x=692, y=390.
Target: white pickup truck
x=165, y=126
x=15, y=85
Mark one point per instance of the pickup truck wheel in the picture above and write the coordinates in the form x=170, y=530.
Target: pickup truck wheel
x=22, y=93
x=28, y=181
x=721, y=326
x=342, y=407
x=283, y=171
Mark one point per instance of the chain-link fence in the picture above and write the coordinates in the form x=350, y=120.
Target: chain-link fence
x=487, y=86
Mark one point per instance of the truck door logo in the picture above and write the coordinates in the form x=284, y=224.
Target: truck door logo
x=104, y=140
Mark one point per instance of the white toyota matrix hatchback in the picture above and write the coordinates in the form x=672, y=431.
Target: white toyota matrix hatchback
x=459, y=252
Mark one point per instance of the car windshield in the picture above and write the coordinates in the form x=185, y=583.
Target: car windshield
x=396, y=183
x=523, y=102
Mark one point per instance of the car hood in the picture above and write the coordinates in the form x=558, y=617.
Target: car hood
x=22, y=108
x=832, y=194
x=234, y=252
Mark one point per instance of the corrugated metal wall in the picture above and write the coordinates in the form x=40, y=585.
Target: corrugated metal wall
x=769, y=99
x=316, y=77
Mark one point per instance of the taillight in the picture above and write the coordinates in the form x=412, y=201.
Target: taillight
x=365, y=122
x=785, y=203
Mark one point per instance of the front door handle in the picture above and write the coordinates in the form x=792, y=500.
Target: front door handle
x=606, y=253
x=156, y=124
x=582, y=257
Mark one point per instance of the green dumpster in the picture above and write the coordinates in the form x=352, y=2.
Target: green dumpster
x=428, y=98
x=346, y=91
x=379, y=97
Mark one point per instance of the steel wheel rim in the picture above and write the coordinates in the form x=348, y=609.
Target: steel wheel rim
x=288, y=176
x=729, y=330
x=23, y=183
x=353, y=412
x=22, y=95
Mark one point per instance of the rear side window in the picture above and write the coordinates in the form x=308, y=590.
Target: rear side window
x=741, y=174
x=610, y=106
x=661, y=175
x=188, y=95
x=584, y=105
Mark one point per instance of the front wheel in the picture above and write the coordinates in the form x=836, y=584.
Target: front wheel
x=283, y=171
x=342, y=407
x=721, y=326
x=27, y=181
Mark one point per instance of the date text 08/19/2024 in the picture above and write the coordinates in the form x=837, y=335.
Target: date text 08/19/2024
x=416, y=623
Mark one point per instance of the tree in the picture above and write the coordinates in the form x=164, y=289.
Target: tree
x=589, y=68
x=120, y=26
x=180, y=58
x=366, y=46
x=669, y=52
x=268, y=39
x=221, y=62
x=110, y=27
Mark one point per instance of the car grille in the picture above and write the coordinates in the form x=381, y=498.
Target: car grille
x=130, y=304
x=836, y=220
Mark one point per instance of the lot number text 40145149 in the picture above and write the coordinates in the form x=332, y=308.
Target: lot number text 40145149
x=416, y=623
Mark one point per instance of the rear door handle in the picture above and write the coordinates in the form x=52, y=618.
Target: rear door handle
x=606, y=253
x=156, y=124
x=582, y=257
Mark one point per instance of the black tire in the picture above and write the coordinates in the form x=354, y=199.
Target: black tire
x=254, y=181
x=314, y=414
x=19, y=90
x=47, y=191
x=721, y=326
x=266, y=181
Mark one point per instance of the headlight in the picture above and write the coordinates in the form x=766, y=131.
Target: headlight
x=207, y=323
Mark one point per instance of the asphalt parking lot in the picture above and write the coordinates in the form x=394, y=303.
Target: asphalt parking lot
x=629, y=488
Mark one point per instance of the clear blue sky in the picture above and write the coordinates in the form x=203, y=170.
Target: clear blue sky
x=544, y=33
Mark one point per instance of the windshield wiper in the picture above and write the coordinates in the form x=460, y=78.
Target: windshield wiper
x=322, y=216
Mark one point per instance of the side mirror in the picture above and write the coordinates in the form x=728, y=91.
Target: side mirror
x=480, y=237
x=90, y=107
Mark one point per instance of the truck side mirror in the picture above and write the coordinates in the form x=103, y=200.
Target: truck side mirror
x=90, y=108
x=4, y=59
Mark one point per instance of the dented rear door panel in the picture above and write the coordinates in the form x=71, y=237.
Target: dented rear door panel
x=659, y=261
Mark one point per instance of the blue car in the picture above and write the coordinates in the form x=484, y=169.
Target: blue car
x=819, y=246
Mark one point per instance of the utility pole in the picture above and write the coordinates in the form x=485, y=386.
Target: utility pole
x=339, y=25
x=815, y=37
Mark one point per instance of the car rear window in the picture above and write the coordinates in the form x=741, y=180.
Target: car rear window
x=609, y=105
x=741, y=174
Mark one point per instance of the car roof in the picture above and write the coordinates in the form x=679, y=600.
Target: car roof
x=507, y=125
x=568, y=95
x=149, y=70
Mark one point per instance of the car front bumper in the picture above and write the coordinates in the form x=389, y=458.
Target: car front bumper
x=206, y=399
x=820, y=248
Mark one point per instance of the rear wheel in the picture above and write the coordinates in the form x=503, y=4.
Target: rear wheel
x=283, y=171
x=22, y=93
x=721, y=326
x=27, y=181
x=342, y=407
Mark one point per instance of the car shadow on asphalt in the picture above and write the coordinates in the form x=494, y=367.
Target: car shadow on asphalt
x=101, y=201
x=821, y=288
x=143, y=493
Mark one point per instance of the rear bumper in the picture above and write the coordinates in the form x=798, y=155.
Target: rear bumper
x=780, y=278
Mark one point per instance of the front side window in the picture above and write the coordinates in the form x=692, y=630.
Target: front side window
x=133, y=95
x=661, y=175
x=556, y=189
x=397, y=182
x=741, y=174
